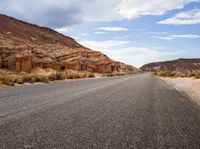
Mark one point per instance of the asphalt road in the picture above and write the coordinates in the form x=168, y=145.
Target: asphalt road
x=121, y=112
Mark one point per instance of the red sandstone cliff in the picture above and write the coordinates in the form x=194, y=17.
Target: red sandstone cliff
x=24, y=46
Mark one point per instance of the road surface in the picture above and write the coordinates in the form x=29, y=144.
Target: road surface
x=121, y=112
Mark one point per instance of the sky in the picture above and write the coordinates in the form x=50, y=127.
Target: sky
x=135, y=32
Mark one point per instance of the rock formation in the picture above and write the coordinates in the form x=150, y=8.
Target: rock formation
x=184, y=66
x=25, y=46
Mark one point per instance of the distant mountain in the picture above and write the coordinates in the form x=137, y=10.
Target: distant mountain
x=185, y=66
x=24, y=46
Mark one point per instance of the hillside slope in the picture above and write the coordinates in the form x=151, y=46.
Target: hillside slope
x=185, y=66
x=25, y=46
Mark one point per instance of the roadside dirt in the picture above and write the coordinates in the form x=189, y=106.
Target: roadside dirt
x=189, y=86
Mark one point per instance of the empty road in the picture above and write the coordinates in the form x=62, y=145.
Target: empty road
x=121, y=112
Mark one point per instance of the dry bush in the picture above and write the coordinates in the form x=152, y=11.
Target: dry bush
x=31, y=78
x=82, y=75
x=57, y=76
x=73, y=75
x=197, y=76
x=119, y=74
x=10, y=79
x=52, y=77
x=165, y=74
x=107, y=75
x=90, y=75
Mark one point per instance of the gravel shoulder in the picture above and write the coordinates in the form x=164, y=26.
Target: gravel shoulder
x=188, y=86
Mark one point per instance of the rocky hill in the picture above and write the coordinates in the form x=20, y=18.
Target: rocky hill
x=25, y=46
x=185, y=66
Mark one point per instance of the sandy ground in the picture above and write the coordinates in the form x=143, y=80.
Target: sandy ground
x=189, y=86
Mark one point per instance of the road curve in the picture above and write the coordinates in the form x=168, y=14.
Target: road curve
x=121, y=112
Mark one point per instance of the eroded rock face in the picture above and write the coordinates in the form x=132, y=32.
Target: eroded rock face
x=24, y=47
x=1, y=61
x=23, y=63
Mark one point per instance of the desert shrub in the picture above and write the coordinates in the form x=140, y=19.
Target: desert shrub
x=19, y=80
x=197, y=75
x=31, y=78
x=107, y=71
x=60, y=76
x=90, y=75
x=69, y=76
x=42, y=78
x=155, y=73
x=82, y=75
x=165, y=74
x=108, y=75
x=73, y=75
x=10, y=79
x=76, y=75
x=192, y=75
x=57, y=76
x=52, y=77
x=119, y=74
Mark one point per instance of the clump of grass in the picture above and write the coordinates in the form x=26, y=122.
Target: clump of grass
x=165, y=74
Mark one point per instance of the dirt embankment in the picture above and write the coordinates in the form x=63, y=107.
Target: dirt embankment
x=189, y=86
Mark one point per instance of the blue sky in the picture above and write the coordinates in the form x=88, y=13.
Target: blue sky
x=132, y=31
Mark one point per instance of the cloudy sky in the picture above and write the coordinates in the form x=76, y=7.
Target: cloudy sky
x=133, y=31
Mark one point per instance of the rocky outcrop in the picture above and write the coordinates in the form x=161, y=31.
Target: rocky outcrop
x=184, y=66
x=23, y=63
x=24, y=46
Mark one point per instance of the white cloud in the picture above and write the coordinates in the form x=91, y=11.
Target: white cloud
x=102, y=45
x=156, y=33
x=121, y=37
x=112, y=29
x=62, y=13
x=85, y=34
x=133, y=8
x=184, y=18
x=99, y=33
x=136, y=56
x=189, y=36
x=171, y=37
x=64, y=30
